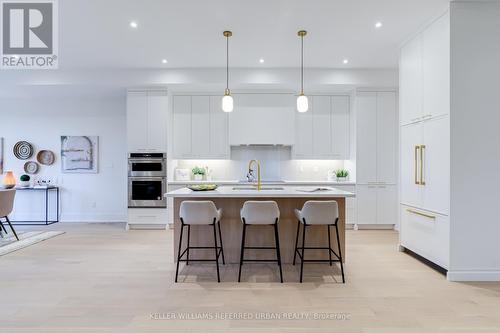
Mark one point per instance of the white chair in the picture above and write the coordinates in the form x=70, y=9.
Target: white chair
x=316, y=213
x=260, y=213
x=200, y=213
x=6, y=206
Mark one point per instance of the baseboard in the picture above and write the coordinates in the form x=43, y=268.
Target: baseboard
x=143, y=226
x=473, y=276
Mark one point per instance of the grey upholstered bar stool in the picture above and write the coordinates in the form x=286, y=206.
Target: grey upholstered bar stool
x=200, y=213
x=260, y=213
x=317, y=213
x=6, y=206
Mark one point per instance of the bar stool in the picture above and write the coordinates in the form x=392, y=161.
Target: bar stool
x=260, y=213
x=318, y=213
x=200, y=213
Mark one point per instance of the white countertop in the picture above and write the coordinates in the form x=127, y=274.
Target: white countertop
x=286, y=192
x=284, y=182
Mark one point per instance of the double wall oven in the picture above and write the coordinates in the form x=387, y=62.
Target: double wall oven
x=147, y=180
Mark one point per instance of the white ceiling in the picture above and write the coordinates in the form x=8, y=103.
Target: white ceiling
x=96, y=33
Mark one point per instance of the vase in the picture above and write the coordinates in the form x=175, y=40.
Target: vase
x=198, y=177
x=342, y=179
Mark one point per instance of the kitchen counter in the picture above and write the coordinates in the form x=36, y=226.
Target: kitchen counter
x=231, y=200
x=284, y=182
x=267, y=191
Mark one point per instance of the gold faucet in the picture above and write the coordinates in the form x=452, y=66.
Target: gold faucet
x=258, y=171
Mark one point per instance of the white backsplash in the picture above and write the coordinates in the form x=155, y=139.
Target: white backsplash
x=276, y=164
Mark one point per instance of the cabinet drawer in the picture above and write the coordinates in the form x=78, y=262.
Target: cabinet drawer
x=147, y=216
x=426, y=233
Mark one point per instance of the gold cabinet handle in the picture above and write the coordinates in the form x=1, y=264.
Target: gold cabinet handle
x=421, y=214
x=422, y=156
x=417, y=148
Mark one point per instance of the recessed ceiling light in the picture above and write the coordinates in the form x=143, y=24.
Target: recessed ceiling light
x=133, y=24
x=345, y=61
x=164, y=61
x=261, y=60
x=378, y=25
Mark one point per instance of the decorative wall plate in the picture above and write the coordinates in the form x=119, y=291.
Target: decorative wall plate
x=31, y=167
x=23, y=150
x=45, y=157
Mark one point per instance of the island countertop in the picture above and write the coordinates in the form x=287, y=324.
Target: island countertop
x=267, y=191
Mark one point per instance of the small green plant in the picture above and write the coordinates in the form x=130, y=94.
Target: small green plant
x=25, y=178
x=198, y=171
x=342, y=173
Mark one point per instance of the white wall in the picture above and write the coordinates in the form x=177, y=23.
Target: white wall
x=41, y=121
x=475, y=141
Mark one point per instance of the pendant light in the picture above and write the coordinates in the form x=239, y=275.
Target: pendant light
x=227, y=100
x=302, y=102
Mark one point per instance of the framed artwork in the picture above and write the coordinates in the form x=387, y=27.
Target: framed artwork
x=1, y=156
x=79, y=154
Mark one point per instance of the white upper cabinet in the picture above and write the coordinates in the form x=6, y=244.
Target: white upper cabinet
x=199, y=128
x=387, y=137
x=436, y=68
x=425, y=74
x=366, y=141
x=147, y=117
x=340, y=127
x=157, y=120
x=411, y=81
x=137, y=121
x=181, y=127
x=219, y=123
x=323, y=131
x=264, y=119
x=321, y=110
x=376, y=121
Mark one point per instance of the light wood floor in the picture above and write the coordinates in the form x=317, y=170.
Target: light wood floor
x=100, y=278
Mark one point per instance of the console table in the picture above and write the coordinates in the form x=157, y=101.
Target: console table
x=47, y=190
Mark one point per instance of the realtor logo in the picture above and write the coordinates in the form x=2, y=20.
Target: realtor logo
x=29, y=34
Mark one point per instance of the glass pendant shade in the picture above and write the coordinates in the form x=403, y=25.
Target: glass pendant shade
x=227, y=102
x=9, y=181
x=302, y=103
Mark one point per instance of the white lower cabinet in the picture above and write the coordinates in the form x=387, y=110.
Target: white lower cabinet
x=376, y=204
x=154, y=218
x=426, y=234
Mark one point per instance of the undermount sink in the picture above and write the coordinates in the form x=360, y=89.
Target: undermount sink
x=253, y=188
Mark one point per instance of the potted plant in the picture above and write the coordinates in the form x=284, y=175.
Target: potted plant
x=198, y=173
x=24, y=181
x=342, y=175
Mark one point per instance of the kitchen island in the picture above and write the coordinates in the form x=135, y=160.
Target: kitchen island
x=230, y=199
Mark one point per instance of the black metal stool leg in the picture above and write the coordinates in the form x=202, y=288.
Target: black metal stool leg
x=221, y=246
x=216, y=252
x=340, y=252
x=2, y=226
x=179, y=253
x=242, y=250
x=329, y=245
x=296, y=242
x=278, y=254
x=189, y=238
x=11, y=228
x=303, y=248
